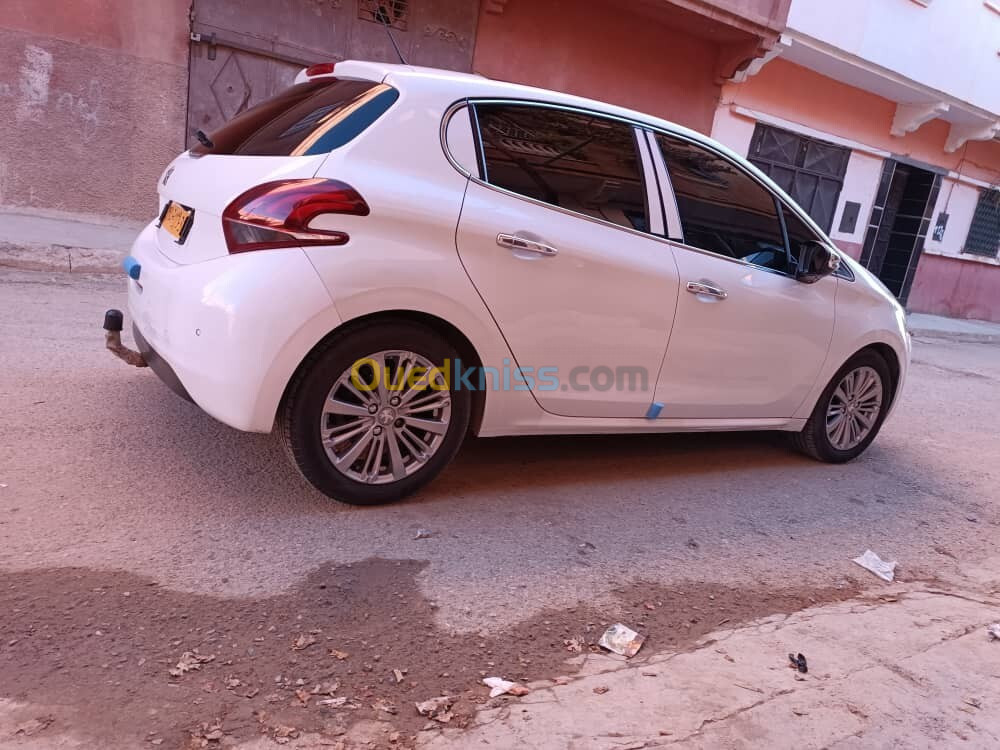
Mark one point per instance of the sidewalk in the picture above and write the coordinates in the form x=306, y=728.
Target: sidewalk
x=37, y=240
x=955, y=329
x=912, y=667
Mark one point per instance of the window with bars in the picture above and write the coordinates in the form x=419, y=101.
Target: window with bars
x=392, y=13
x=984, y=232
x=811, y=171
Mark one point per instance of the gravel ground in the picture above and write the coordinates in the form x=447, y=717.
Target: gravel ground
x=106, y=472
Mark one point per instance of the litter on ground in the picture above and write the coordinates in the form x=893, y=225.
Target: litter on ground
x=622, y=640
x=499, y=686
x=872, y=562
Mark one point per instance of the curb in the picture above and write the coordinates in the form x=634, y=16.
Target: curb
x=61, y=258
x=962, y=337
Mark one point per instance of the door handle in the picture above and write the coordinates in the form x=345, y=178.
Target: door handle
x=701, y=287
x=513, y=242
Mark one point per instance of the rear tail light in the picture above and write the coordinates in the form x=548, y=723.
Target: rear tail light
x=320, y=69
x=277, y=214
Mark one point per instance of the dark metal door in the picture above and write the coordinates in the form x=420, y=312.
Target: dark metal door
x=245, y=51
x=809, y=170
x=900, y=219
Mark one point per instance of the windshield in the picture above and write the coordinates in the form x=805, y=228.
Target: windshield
x=309, y=118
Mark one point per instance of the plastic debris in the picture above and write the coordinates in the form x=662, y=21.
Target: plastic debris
x=423, y=534
x=799, y=662
x=500, y=686
x=994, y=631
x=622, y=640
x=875, y=564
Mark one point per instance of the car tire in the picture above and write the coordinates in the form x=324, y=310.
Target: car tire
x=318, y=385
x=816, y=440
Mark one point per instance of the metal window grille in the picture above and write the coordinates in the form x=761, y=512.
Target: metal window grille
x=984, y=232
x=393, y=13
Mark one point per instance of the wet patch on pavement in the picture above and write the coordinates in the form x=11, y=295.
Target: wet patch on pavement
x=124, y=660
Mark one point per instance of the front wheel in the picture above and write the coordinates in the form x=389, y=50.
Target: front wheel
x=850, y=412
x=370, y=417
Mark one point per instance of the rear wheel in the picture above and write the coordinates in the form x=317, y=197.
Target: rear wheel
x=850, y=412
x=370, y=417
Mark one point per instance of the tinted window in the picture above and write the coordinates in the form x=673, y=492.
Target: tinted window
x=309, y=118
x=798, y=233
x=723, y=209
x=579, y=162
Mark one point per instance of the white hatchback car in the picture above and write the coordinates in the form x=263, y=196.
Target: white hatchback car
x=384, y=258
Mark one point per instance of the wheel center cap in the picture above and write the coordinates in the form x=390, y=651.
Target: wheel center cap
x=386, y=417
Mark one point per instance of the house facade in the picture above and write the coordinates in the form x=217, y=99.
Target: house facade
x=882, y=120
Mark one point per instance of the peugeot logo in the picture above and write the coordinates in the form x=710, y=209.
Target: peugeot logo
x=166, y=175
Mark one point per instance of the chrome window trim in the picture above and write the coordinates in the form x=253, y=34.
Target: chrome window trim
x=668, y=200
x=453, y=110
x=650, y=184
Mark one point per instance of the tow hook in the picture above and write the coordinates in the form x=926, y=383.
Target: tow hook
x=113, y=321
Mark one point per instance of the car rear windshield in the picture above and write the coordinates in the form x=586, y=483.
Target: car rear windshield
x=309, y=118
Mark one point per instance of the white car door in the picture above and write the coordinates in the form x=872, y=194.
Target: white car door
x=749, y=339
x=558, y=237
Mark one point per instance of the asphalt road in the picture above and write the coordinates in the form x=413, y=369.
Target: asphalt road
x=103, y=468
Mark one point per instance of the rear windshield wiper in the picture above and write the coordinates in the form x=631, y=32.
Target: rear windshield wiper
x=203, y=139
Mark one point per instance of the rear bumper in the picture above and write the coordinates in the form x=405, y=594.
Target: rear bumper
x=159, y=365
x=228, y=333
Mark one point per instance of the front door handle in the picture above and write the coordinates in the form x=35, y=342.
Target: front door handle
x=701, y=287
x=513, y=242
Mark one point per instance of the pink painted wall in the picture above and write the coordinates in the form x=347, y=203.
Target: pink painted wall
x=96, y=96
x=800, y=95
x=602, y=51
x=956, y=288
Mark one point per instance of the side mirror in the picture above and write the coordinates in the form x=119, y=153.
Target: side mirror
x=816, y=260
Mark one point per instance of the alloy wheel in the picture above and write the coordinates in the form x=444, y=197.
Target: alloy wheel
x=385, y=417
x=854, y=408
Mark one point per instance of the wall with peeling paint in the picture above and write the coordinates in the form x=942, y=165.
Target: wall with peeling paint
x=95, y=95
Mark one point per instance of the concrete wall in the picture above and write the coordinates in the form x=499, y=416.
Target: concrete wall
x=956, y=288
x=947, y=45
x=603, y=51
x=95, y=93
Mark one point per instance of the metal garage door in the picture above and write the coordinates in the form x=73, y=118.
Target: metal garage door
x=244, y=51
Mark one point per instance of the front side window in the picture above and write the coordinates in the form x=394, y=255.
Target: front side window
x=722, y=208
x=581, y=162
x=799, y=233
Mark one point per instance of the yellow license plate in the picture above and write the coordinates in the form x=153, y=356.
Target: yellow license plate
x=176, y=220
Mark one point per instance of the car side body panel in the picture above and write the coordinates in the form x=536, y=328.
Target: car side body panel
x=236, y=343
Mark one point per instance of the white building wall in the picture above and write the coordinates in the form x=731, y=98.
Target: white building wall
x=958, y=200
x=950, y=46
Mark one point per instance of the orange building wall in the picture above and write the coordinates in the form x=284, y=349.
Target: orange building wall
x=603, y=52
x=800, y=95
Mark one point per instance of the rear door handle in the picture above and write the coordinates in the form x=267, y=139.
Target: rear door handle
x=701, y=287
x=513, y=242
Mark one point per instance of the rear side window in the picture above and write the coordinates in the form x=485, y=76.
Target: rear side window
x=722, y=208
x=581, y=162
x=309, y=118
